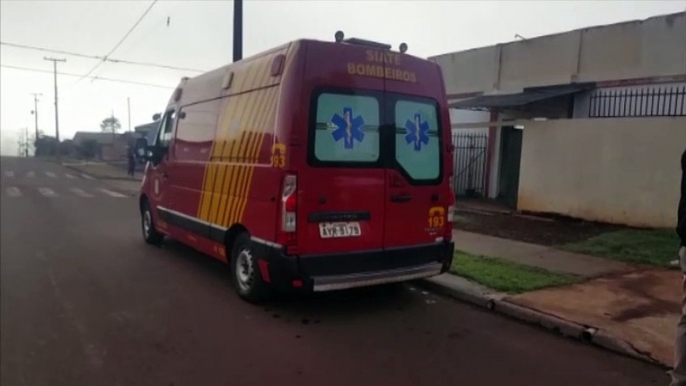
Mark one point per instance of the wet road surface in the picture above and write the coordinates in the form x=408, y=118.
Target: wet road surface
x=83, y=301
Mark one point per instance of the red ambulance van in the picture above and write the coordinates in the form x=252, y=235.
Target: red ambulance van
x=314, y=166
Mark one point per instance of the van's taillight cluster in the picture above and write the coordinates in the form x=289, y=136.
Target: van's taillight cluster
x=289, y=206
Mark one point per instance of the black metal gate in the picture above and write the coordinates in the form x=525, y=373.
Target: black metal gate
x=469, y=164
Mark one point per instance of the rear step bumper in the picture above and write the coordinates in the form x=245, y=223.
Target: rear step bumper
x=332, y=283
x=329, y=272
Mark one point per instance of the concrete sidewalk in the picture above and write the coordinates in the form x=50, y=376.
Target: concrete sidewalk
x=548, y=258
x=621, y=307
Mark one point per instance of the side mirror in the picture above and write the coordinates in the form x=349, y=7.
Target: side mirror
x=156, y=116
x=153, y=154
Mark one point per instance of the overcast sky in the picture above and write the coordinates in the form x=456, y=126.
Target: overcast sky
x=198, y=36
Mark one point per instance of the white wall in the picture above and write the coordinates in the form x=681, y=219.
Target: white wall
x=655, y=47
x=616, y=170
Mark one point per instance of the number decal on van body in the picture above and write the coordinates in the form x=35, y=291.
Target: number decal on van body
x=436, y=217
x=278, y=155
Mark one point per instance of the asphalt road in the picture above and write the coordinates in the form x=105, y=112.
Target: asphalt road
x=84, y=301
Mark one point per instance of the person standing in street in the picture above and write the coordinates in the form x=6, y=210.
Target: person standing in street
x=132, y=162
x=679, y=372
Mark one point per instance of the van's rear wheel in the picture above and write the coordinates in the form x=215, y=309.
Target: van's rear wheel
x=150, y=234
x=245, y=274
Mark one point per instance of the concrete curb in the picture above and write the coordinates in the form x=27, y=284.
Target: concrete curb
x=589, y=334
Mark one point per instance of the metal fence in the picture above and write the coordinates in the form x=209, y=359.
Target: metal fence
x=469, y=164
x=664, y=102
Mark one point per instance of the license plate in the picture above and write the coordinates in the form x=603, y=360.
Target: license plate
x=329, y=230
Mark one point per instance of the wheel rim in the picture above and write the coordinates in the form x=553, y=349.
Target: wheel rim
x=244, y=270
x=147, y=223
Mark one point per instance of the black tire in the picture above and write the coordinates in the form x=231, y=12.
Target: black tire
x=245, y=274
x=150, y=233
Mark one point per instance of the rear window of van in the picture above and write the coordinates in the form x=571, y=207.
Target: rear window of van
x=356, y=129
x=347, y=128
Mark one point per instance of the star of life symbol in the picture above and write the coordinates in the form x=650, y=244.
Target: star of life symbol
x=348, y=127
x=417, y=132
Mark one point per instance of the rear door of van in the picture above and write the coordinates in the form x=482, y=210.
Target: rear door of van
x=343, y=189
x=417, y=192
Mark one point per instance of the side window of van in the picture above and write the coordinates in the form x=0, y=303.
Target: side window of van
x=166, y=130
x=347, y=128
x=417, y=147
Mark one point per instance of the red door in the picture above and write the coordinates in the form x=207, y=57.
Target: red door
x=417, y=199
x=342, y=191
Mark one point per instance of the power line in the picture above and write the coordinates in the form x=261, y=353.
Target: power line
x=120, y=42
x=90, y=77
x=86, y=56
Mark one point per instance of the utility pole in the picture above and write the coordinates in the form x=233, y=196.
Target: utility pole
x=35, y=109
x=237, y=30
x=128, y=104
x=57, y=121
x=26, y=145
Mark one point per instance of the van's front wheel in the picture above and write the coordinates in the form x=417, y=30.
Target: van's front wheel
x=150, y=234
x=247, y=279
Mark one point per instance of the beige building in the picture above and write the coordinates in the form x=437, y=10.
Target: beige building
x=597, y=84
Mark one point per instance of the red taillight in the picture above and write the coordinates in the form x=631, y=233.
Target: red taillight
x=291, y=203
x=289, y=206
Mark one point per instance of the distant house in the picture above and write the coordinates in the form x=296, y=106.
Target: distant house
x=111, y=147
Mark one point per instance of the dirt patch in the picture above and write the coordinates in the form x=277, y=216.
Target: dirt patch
x=641, y=308
x=530, y=229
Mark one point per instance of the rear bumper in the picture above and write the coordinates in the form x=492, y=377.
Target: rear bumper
x=339, y=282
x=356, y=269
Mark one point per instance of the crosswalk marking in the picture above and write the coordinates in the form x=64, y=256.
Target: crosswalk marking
x=70, y=176
x=30, y=175
x=9, y=173
x=86, y=176
x=81, y=192
x=47, y=192
x=111, y=193
x=51, y=174
x=13, y=191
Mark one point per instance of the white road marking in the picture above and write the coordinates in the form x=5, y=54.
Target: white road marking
x=9, y=173
x=51, y=174
x=13, y=191
x=47, y=192
x=80, y=192
x=30, y=175
x=86, y=176
x=70, y=176
x=111, y=193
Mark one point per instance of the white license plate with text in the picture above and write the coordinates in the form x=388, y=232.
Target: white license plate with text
x=329, y=230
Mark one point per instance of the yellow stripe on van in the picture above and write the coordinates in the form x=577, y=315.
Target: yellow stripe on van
x=254, y=124
x=226, y=186
x=217, y=147
x=219, y=163
x=231, y=215
x=249, y=77
x=265, y=123
x=237, y=133
x=227, y=199
x=264, y=70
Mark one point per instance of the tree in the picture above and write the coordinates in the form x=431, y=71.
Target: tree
x=88, y=148
x=110, y=125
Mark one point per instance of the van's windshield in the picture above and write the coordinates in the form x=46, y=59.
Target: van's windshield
x=355, y=129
